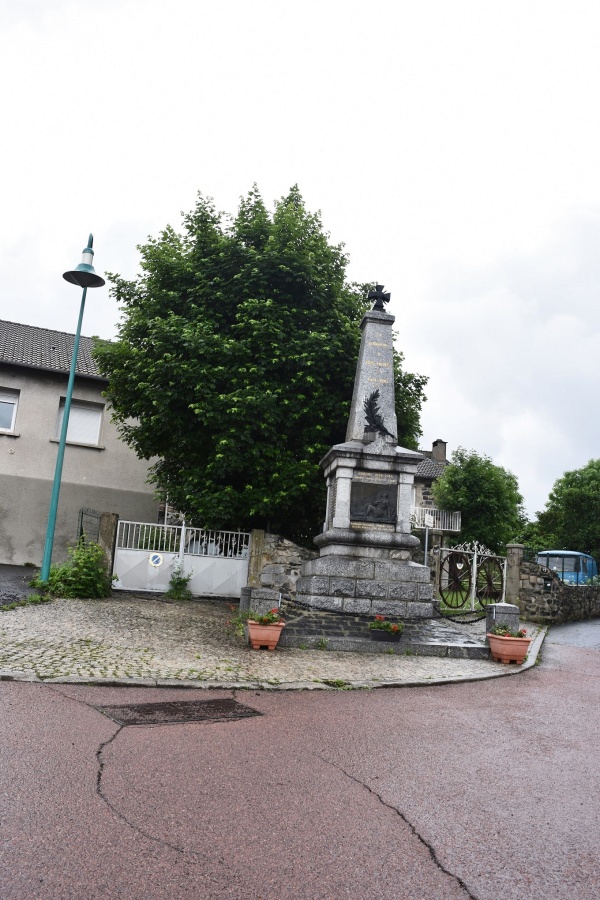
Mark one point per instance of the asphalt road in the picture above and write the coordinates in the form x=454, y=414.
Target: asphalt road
x=486, y=789
x=576, y=634
x=14, y=581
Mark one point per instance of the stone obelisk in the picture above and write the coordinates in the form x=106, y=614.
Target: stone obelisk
x=364, y=563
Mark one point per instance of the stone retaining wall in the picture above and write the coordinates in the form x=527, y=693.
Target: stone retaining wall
x=542, y=596
x=275, y=563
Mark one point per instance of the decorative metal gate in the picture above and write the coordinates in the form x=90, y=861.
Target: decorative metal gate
x=147, y=555
x=471, y=572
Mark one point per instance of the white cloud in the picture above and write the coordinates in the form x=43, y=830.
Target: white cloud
x=452, y=146
x=512, y=353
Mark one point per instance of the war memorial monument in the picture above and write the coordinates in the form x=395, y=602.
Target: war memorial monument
x=365, y=549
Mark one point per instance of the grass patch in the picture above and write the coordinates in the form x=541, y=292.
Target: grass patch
x=336, y=683
x=32, y=600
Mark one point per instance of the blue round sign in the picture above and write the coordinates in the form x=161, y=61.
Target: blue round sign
x=156, y=559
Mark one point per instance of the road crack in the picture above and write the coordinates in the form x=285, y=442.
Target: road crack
x=100, y=791
x=429, y=847
x=101, y=768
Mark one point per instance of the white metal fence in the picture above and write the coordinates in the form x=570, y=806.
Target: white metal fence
x=438, y=519
x=146, y=556
x=180, y=538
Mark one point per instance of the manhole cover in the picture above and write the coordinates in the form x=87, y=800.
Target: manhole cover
x=177, y=711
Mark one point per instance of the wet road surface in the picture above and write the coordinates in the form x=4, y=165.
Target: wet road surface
x=14, y=582
x=485, y=790
x=576, y=634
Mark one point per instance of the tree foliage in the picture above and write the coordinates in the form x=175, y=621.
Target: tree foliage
x=534, y=538
x=487, y=496
x=235, y=362
x=571, y=518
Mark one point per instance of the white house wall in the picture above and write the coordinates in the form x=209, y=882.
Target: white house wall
x=108, y=478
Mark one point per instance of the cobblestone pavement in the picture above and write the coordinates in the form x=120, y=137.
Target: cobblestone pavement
x=137, y=640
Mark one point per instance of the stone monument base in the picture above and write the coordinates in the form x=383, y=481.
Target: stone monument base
x=394, y=588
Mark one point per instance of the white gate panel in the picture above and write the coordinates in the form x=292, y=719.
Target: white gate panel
x=136, y=572
x=218, y=561
x=216, y=576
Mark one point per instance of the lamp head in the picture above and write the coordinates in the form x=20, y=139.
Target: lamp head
x=84, y=275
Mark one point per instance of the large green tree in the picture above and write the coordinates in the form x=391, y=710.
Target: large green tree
x=487, y=496
x=235, y=362
x=571, y=518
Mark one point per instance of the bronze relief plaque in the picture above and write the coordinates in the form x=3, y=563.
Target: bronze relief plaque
x=373, y=502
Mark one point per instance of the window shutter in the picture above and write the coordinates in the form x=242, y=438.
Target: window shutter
x=84, y=423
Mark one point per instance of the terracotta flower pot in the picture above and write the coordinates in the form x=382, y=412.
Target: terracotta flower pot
x=380, y=634
x=508, y=649
x=264, y=635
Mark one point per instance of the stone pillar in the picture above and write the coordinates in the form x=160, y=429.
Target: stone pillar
x=255, y=560
x=107, y=537
x=327, y=505
x=405, y=486
x=502, y=614
x=341, y=517
x=258, y=600
x=514, y=558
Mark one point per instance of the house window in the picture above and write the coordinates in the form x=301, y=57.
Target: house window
x=9, y=400
x=84, y=422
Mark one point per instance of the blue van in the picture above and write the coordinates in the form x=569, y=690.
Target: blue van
x=570, y=566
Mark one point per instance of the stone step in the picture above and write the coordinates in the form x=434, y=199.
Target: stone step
x=320, y=630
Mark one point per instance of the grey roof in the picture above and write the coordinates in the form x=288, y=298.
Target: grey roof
x=429, y=467
x=42, y=348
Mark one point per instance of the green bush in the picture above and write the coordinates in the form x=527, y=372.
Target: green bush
x=178, y=585
x=84, y=574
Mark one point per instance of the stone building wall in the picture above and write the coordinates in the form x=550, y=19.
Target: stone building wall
x=542, y=596
x=423, y=495
x=275, y=563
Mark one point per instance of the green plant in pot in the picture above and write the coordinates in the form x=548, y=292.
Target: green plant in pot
x=508, y=646
x=264, y=629
x=383, y=630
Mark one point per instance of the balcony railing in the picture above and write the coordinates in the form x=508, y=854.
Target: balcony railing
x=438, y=519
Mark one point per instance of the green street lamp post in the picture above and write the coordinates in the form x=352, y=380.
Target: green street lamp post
x=83, y=276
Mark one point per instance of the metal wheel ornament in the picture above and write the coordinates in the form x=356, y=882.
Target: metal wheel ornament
x=490, y=581
x=455, y=579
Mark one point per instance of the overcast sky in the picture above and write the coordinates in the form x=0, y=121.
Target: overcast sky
x=453, y=146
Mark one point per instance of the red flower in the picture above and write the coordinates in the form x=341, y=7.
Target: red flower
x=380, y=618
x=393, y=627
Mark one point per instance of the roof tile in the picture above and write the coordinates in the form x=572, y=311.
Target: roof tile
x=42, y=348
x=428, y=467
